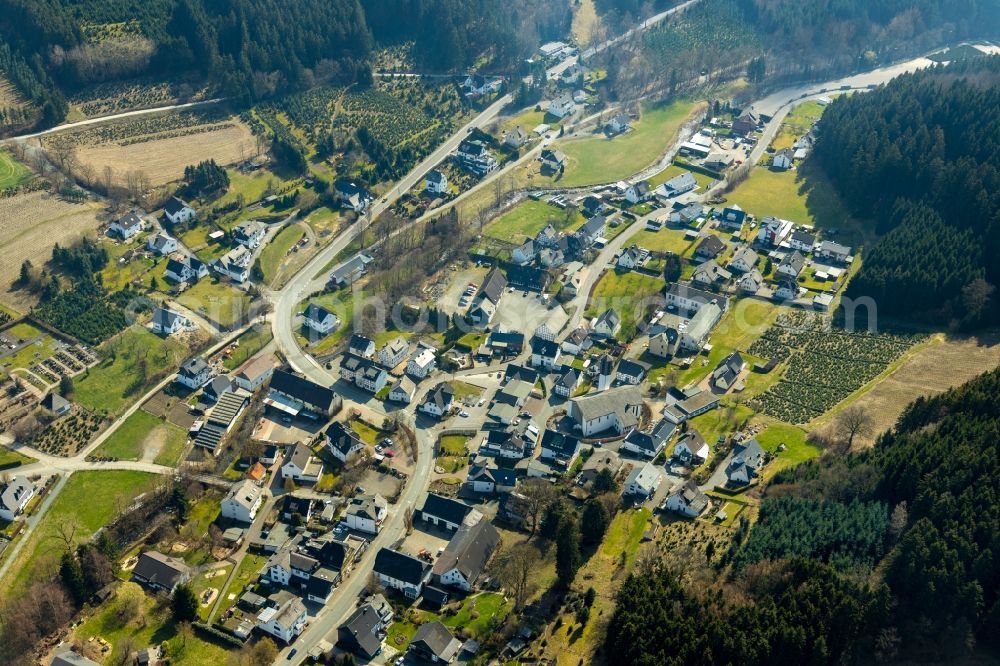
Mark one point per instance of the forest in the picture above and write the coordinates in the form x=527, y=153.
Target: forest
x=919, y=155
x=934, y=595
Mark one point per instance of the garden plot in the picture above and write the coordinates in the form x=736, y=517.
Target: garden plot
x=825, y=366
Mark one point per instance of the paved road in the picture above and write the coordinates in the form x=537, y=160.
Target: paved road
x=117, y=116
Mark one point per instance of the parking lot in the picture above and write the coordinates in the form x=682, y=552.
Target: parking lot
x=273, y=428
x=525, y=311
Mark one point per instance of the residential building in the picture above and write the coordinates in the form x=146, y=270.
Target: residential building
x=785, y=289
x=643, y=481
x=342, y=441
x=422, y=364
x=616, y=410
x=802, y=240
x=295, y=396
x=710, y=274
x=319, y=319
x=302, y=466
x=649, y=443
x=251, y=375
x=591, y=231
x=632, y=257
x=366, y=513
x=161, y=244
x=599, y=461
x=718, y=161
x=362, y=633
x=566, y=380
x=393, y=353
x=694, y=337
x=72, y=658
x=559, y=448
x=515, y=137
x=168, y=322
x=250, y=234
x=216, y=388
x=831, y=251
x=690, y=215
x=791, y=265
x=157, y=571
x=782, y=159
x=361, y=345
x=509, y=444
x=617, y=124
x=434, y=643
x=664, y=343
x=351, y=195
x=439, y=401
x=15, y=494
x=178, y=211
x=448, y=513
x=528, y=278
x=401, y=572
x=436, y=183
x=183, y=269
x=562, y=106
x=544, y=353
x=350, y=271
x=475, y=157
x=691, y=448
x=553, y=160
x=284, y=621
x=607, y=325
x=234, y=264
x=744, y=260
x=773, y=231
x=638, y=192
x=467, y=555
x=691, y=406
x=731, y=218
x=631, y=371
x=748, y=122
x=194, y=373
x=486, y=301
x=243, y=501
x=748, y=458
x=364, y=372
x=728, y=371
x=751, y=282
x=477, y=85
x=489, y=479
x=687, y=500
x=127, y=225
x=402, y=391
x=679, y=184
x=709, y=248
x=689, y=299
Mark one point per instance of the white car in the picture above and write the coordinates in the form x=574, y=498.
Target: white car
x=463, y=413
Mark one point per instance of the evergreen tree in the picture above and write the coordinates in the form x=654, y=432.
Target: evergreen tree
x=568, y=556
x=72, y=578
x=184, y=605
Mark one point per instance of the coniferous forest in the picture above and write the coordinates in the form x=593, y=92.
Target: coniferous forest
x=935, y=594
x=920, y=156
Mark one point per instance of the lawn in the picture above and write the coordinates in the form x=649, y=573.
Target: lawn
x=12, y=172
x=216, y=301
x=252, y=186
x=474, y=616
x=274, y=253
x=251, y=342
x=9, y=459
x=247, y=572
x=526, y=219
x=797, y=449
x=599, y=159
x=88, y=501
x=367, y=433
x=664, y=240
x=797, y=123
x=133, y=362
x=722, y=421
x=675, y=170
x=453, y=445
x=140, y=430
x=745, y=321
x=529, y=120
x=627, y=293
x=465, y=390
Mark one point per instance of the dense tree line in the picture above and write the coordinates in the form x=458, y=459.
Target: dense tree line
x=206, y=177
x=85, y=312
x=34, y=84
x=920, y=156
x=935, y=594
x=80, y=260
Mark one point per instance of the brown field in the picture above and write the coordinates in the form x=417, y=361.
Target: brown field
x=9, y=95
x=932, y=369
x=30, y=225
x=163, y=160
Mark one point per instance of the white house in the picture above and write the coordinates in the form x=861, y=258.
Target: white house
x=168, y=322
x=467, y=555
x=710, y=274
x=302, y=466
x=515, y=137
x=773, y=231
x=694, y=337
x=687, y=500
x=631, y=371
x=402, y=391
x=178, y=211
x=448, y=513
x=562, y=106
x=637, y=192
x=748, y=458
x=689, y=299
x=185, y=269
x=726, y=374
x=252, y=374
x=342, y=442
x=194, y=373
x=161, y=244
x=744, y=260
x=361, y=345
x=834, y=252
x=14, y=497
x=285, y=621
x=691, y=448
x=632, y=257
x=617, y=124
x=524, y=253
x=567, y=380
x=393, y=353
x=751, y=282
x=243, y=501
x=648, y=443
x=127, y=225
x=234, y=264
x=554, y=160
x=351, y=195
x=782, y=159
x=436, y=183
x=319, y=319
x=801, y=240
x=422, y=363
x=402, y=572
x=607, y=325
x=791, y=265
x=643, y=481
x=545, y=353
x=616, y=410
x=438, y=402
x=366, y=513
x=250, y=234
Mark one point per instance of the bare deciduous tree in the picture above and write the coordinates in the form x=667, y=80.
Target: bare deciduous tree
x=538, y=494
x=513, y=569
x=854, y=421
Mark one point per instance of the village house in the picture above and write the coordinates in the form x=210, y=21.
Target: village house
x=643, y=482
x=710, y=274
x=294, y=396
x=181, y=269
x=709, y=248
x=160, y=572
x=694, y=337
x=362, y=633
x=524, y=253
x=351, y=195
x=631, y=371
x=727, y=372
x=785, y=289
x=178, y=211
x=489, y=479
x=607, y=325
x=439, y=401
x=748, y=458
x=663, y=344
x=747, y=123
x=687, y=500
x=250, y=234
x=366, y=513
x=617, y=410
x=422, y=363
x=751, y=282
x=782, y=160
x=559, y=448
x=650, y=442
x=234, y=264
x=691, y=448
x=617, y=124
x=347, y=273
x=434, y=643
x=486, y=301
x=690, y=215
x=361, y=345
x=591, y=231
x=393, y=352
x=364, y=372
x=689, y=299
x=772, y=232
x=242, y=501
x=477, y=85
x=562, y=106
x=599, y=461
x=791, y=265
x=194, y=373
x=690, y=405
x=474, y=156
x=284, y=621
x=436, y=183
x=744, y=260
x=515, y=137
x=631, y=258
x=127, y=225
x=832, y=251
x=637, y=192
x=15, y=494
x=342, y=441
x=718, y=161
x=161, y=245
x=678, y=185
x=731, y=218
x=466, y=556
x=168, y=322
x=403, y=391
x=544, y=354
x=553, y=160
x=448, y=513
x=320, y=320
x=802, y=240
x=566, y=380
x=302, y=466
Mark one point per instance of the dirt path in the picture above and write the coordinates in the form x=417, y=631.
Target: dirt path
x=153, y=444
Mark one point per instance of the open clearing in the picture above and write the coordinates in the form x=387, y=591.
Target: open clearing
x=9, y=95
x=12, y=172
x=163, y=159
x=585, y=22
x=145, y=437
x=932, y=369
x=526, y=219
x=30, y=225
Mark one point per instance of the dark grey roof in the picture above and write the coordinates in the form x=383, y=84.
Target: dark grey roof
x=445, y=508
x=442, y=395
x=317, y=313
x=522, y=373
x=653, y=440
x=633, y=368
x=342, y=437
x=682, y=181
x=610, y=317
x=493, y=286
x=794, y=260
x=70, y=658
x=434, y=638
x=469, y=550
x=299, y=455
x=159, y=569
x=803, y=237
x=594, y=226
x=193, y=366
x=435, y=176
x=711, y=246
x=175, y=205
x=567, y=376
x=400, y=566
x=547, y=348
x=561, y=444
x=302, y=389
x=164, y=317
x=360, y=632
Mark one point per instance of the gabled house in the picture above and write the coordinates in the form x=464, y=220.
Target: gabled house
x=475, y=157
x=157, y=571
x=508, y=444
x=194, y=373
x=185, y=269
x=616, y=410
x=632, y=372
x=364, y=372
x=402, y=391
x=689, y=299
x=361, y=345
x=168, y=322
x=679, y=184
x=562, y=106
x=648, y=443
x=643, y=482
x=448, y=513
x=782, y=159
x=559, y=448
x=773, y=231
x=566, y=380
x=515, y=137
x=178, y=211
x=217, y=387
x=791, y=265
x=234, y=264
x=592, y=206
x=748, y=122
x=436, y=182
x=524, y=253
x=393, y=353
x=15, y=494
x=664, y=343
x=785, y=289
x=486, y=301
x=302, y=466
x=250, y=234
x=607, y=325
x=467, y=555
x=731, y=218
x=284, y=621
x=553, y=160
x=710, y=274
x=294, y=395
x=801, y=240
x=637, y=192
x=488, y=479
x=161, y=245
x=744, y=260
x=718, y=161
x=687, y=500
x=727, y=372
x=422, y=363
x=351, y=195
x=242, y=502
x=691, y=448
x=600, y=460
x=476, y=85
x=362, y=633
x=439, y=401
x=689, y=215
x=127, y=225
x=434, y=643
x=350, y=271
x=709, y=248
x=366, y=513
x=342, y=442
x=632, y=257
x=592, y=230
x=617, y=124
x=694, y=337
x=832, y=251
x=544, y=353
x=751, y=282
x=319, y=319
x=748, y=458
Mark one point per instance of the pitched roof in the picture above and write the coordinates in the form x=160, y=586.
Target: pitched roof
x=342, y=437
x=795, y=261
x=175, y=205
x=400, y=566
x=711, y=246
x=299, y=456
x=653, y=439
x=302, y=389
x=245, y=493
x=434, y=638
x=692, y=496
x=361, y=629
x=493, y=286
x=682, y=181
x=546, y=348
x=643, y=476
x=614, y=401
x=359, y=341
x=633, y=368
x=561, y=444
x=160, y=569
x=445, y=508
x=317, y=313
x=442, y=395
x=71, y=658
x=469, y=550
x=609, y=317
x=55, y=402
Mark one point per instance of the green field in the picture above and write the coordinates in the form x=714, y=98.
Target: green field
x=744, y=321
x=626, y=293
x=9, y=459
x=12, y=172
x=275, y=252
x=603, y=160
x=664, y=240
x=797, y=124
x=340, y=303
x=129, y=441
x=526, y=219
x=674, y=170
x=251, y=342
x=797, y=449
x=216, y=301
x=88, y=501
x=132, y=363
